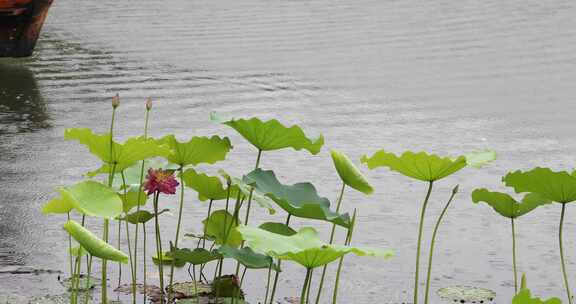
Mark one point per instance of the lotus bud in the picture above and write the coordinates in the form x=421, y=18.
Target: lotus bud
x=149, y=104
x=115, y=101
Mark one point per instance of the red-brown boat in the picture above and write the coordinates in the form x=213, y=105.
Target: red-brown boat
x=20, y=25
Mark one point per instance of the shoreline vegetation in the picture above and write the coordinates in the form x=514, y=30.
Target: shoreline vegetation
x=137, y=175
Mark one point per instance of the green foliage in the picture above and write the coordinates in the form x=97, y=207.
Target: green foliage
x=93, y=199
x=195, y=257
x=272, y=135
x=197, y=150
x=559, y=187
x=480, y=158
x=220, y=226
x=93, y=244
x=525, y=296
x=132, y=199
x=304, y=248
x=208, y=187
x=278, y=228
x=78, y=251
x=57, y=205
x=141, y=217
x=299, y=200
x=349, y=173
x=247, y=257
x=167, y=260
x=506, y=205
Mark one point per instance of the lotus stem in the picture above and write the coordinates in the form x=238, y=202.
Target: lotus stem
x=433, y=242
x=514, y=256
x=277, y=275
x=138, y=218
x=309, y=284
x=70, y=251
x=120, y=249
x=144, y=253
x=565, y=275
x=321, y=285
x=159, y=252
x=268, y=282
x=341, y=262
x=132, y=262
x=88, y=277
x=305, y=286
x=204, y=236
x=177, y=231
x=420, y=228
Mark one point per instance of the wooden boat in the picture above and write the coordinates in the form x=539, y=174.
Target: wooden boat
x=20, y=25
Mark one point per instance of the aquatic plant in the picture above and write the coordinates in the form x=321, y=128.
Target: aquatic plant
x=525, y=296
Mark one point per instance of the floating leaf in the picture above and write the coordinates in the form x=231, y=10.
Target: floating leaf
x=197, y=150
x=123, y=155
x=466, y=294
x=195, y=257
x=559, y=187
x=278, y=228
x=208, y=187
x=93, y=199
x=93, y=244
x=421, y=166
x=221, y=226
x=299, y=200
x=247, y=257
x=304, y=248
x=132, y=199
x=480, y=158
x=506, y=205
x=141, y=217
x=58, y=205
x=349, y=173
x=272, y=135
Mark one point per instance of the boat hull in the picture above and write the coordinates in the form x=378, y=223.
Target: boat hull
x=20, y=25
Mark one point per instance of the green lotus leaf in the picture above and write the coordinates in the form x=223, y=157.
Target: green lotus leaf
x=257, y=196
x=93, y=199
x=141, y=217
x=247, y=257
x=349, y=173
x=221, y=225
x=559, y=187
x=93, y=244
x=272, y=135
x=525, y=296
x=132, y=199
x=195, y=257
x=299, y=200
x=506, y=205
x=421, y=166
x=480, y=158
x=197, y=150
x=208, y=187
x=58, y=205
x=278, y=228
x=304, y=248
x=167, y=260
x=123, y=155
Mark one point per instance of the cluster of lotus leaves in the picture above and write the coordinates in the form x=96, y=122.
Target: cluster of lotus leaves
x=305, y=247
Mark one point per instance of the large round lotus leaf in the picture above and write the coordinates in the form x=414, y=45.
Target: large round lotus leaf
x=93, y=244
x=467, y=294
x=421, y=166
x=349, y=173
x=304, y=248
x=506, y=205
x=559, y=187
x=257, y=196
x=300, y=200
x=93, y=199
x=221, y=225
x=197, y=150
x=278, y=228
x=272, y=135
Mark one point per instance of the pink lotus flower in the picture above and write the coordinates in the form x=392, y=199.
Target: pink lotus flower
x=160, y=181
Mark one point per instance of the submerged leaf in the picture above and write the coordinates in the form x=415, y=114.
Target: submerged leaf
x=304, y=248
x=93, y=244
x=278, y=228
x=506, y=205
x=195, y=257
x=349, y=173
x=208, y=187
x=559, y=187
x=197, y=150
x=93, y=199
x=421, y=166
x=221, y=226
x=247, y=257
x=272, y=135
x=299, y=200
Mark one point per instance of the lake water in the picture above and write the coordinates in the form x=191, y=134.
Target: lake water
x=443, y=76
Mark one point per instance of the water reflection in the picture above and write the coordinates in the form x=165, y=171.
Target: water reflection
x=22, y=108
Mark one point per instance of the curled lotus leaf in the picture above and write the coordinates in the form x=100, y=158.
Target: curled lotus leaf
x=421, y=166
x=207, y=187
x=93, y=199
x=272, y=135
x=506, y=205
x=196, y=256
x=559, y=186
x=304, y=248
x=247, y=257
x=197, y=150
x=301, y=200
x=349, y=173
x=93, y=244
